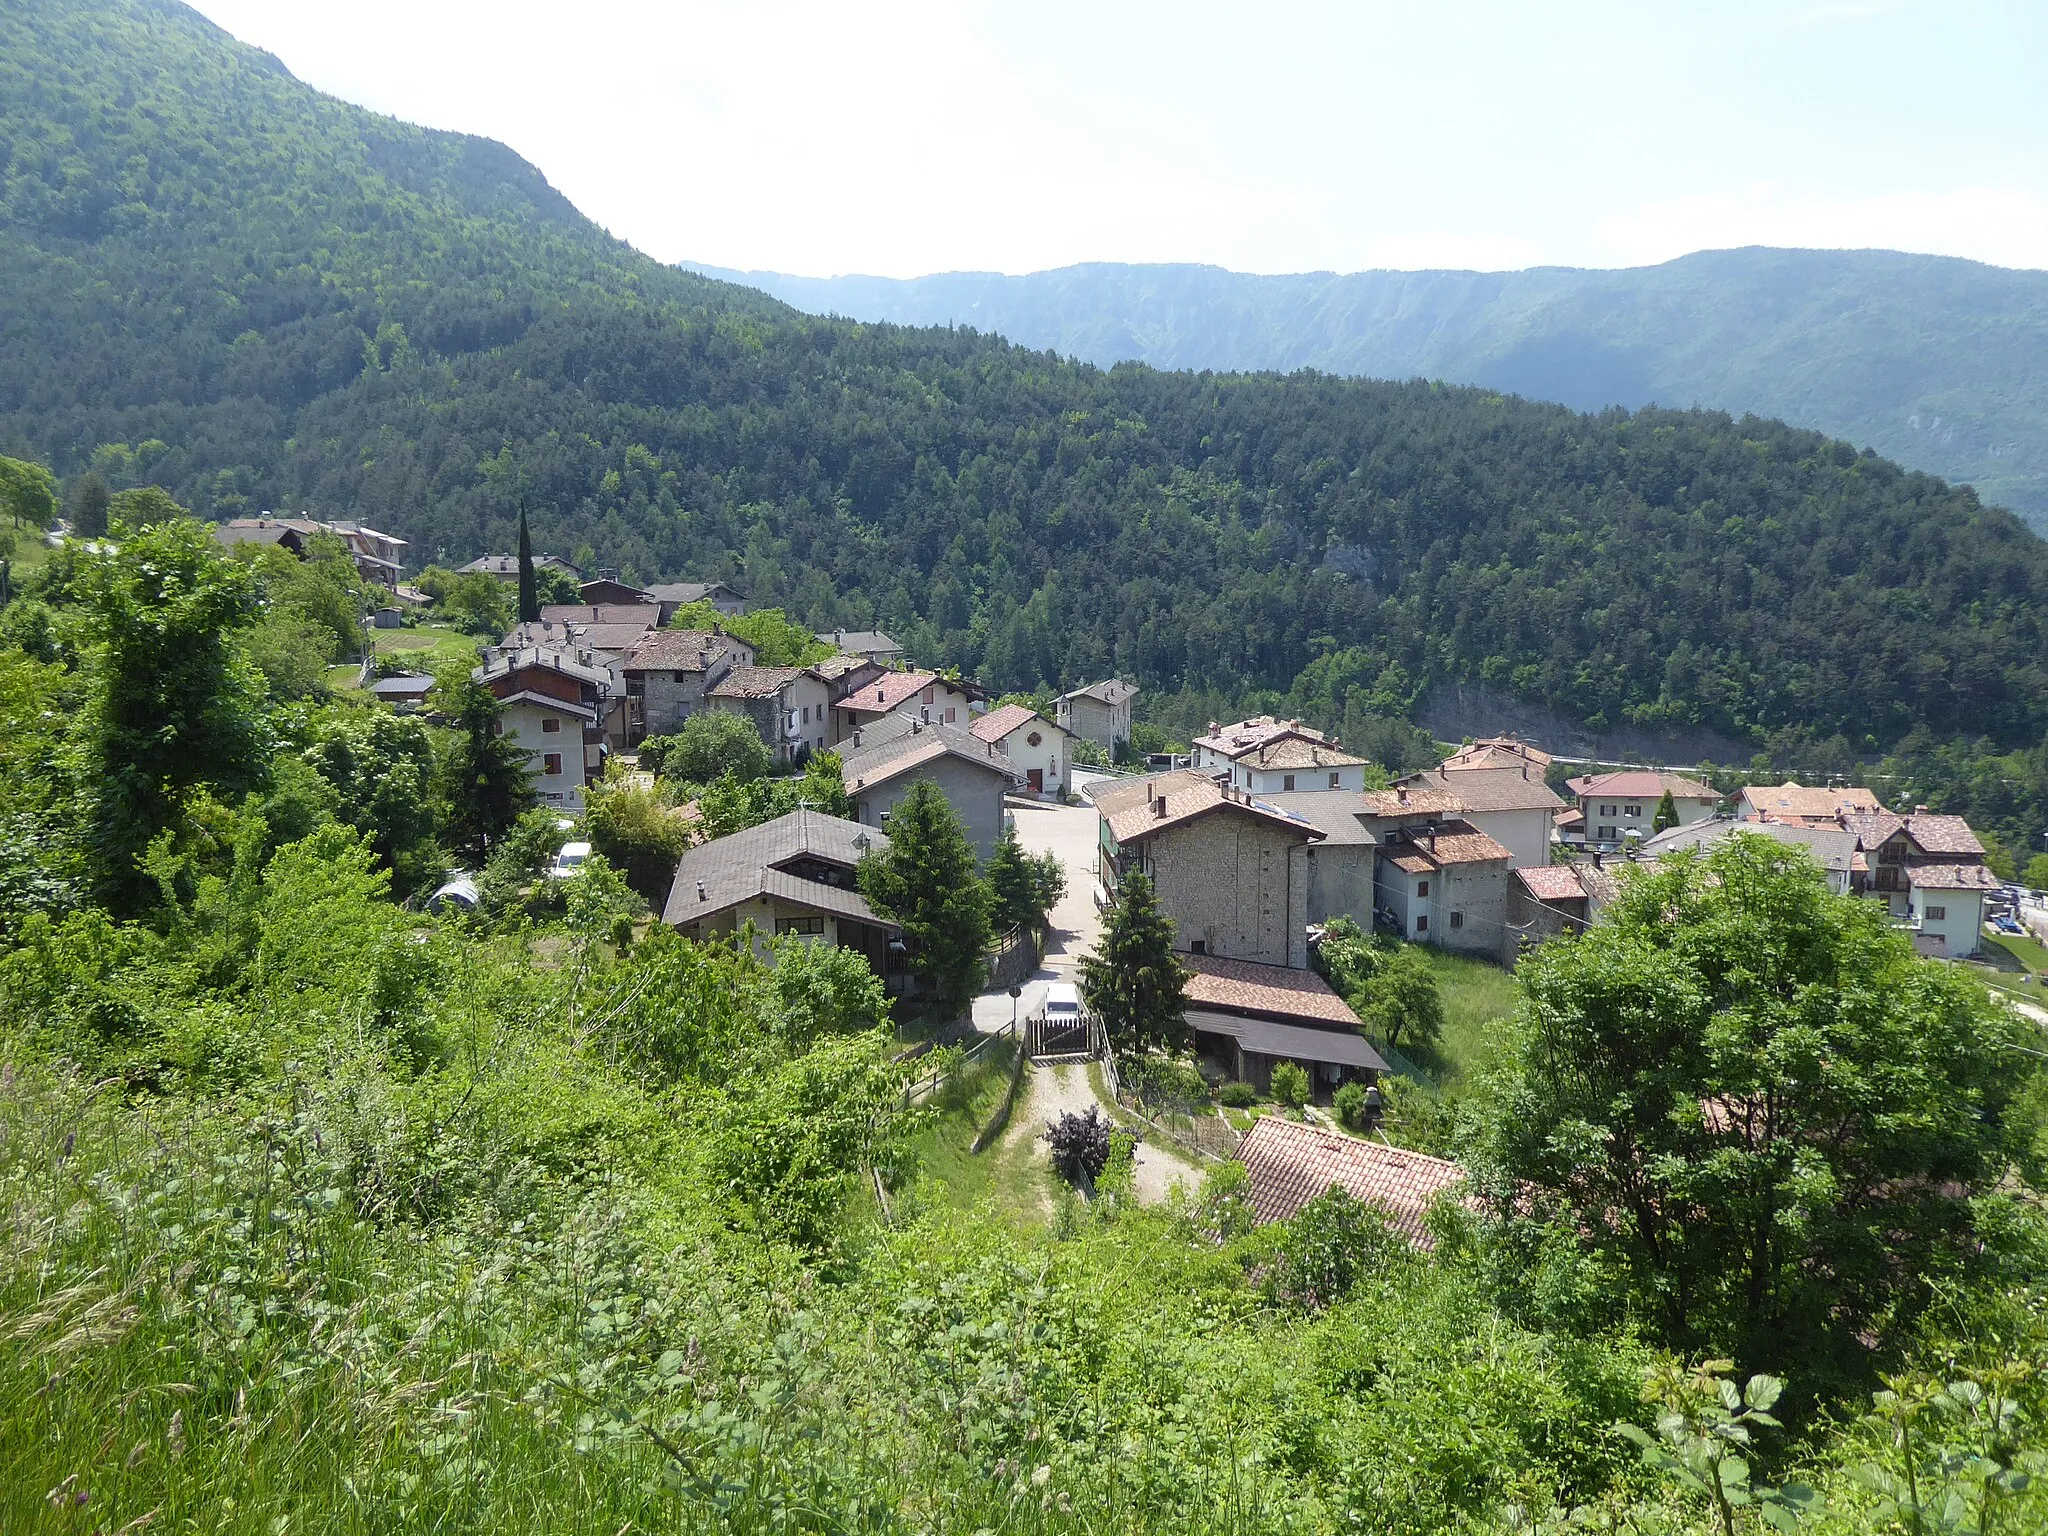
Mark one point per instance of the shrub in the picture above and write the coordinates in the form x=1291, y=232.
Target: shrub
x=1350, y=1105
x=1080, y=1146
x=1237, y=1095
x=1165, y=1083
x=711, y=744
x=1290, y=1084
x=1330, y=1244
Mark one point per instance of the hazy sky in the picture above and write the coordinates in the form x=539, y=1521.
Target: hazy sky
x=823, y=137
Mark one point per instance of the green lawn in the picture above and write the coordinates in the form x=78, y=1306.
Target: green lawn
x=1009, y=1178
x=426, y=645
x=2027, y=954
x=1475, y=992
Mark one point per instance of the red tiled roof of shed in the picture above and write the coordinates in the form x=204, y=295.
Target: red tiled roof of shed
x=1291, y=1164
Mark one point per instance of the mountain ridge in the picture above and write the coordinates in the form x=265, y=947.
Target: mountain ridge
x=1927, y=359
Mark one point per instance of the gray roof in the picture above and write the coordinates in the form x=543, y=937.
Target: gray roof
x=858, y=641
x=509, y=661
x=686, y=592
x=1269, y=1037
x=508, y=565
x=1832, y=850
x=403, y=685
x=1111, y=690
x=1335, y=811
x=895, y=744
x=743, y=866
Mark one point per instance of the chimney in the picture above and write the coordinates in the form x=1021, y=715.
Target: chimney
x=700, y=891
x=1596, y=858
x=1159, y=806
x=916, y=726
x=839, y=637
x=856, y=737
x=1432, y=839
x=881, y=693
x=1401, y=794
x=1919, y=810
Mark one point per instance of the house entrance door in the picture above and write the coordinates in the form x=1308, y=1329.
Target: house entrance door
x=1035, y=777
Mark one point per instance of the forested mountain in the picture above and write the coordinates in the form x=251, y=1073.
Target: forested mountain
x=263, y=298
x=1930, y=360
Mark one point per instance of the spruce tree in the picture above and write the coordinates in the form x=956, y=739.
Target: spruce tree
x=1134, y=983
x=1666, y=816
x=926, y=883
x=488, y=786
x=529, y=589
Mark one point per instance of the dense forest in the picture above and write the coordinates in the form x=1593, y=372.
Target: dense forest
x=216, y=280
x=1927, y=359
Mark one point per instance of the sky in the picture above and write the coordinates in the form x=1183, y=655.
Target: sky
x=823, y=137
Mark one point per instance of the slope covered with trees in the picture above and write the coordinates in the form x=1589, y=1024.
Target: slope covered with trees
x=1927, y=359
x=215, y=279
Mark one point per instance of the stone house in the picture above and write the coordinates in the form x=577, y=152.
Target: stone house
x=553, y=708
x=672, y=595
x=788, y=706
x=869, y=644
x=1251, y=1017
x=1230, y=870
x=1511, y=805
x=1039, y=748
x=669, y=675
x=880, y=762
x=1099, y=712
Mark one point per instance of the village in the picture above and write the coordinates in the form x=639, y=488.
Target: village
x=1260, y=840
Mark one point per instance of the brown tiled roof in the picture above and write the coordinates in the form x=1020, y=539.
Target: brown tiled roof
x=1416, y=800
x=1552, y=882
x=1291, y=1164
x=1497, y=752
x=1487, y=789
x=756, y=682
x=676, y=650
x=1642, y=784
x=1243, y=737
x=1265, y=991
x=1300, y=752
x=1131, y=815
x=1942, y=834
x=646, y=615
x=883, y=694
x=998, y=723
x=1952, y=877
x=1455, y=842
x=1796, y=802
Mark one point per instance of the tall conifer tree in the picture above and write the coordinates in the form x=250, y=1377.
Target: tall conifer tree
x=529, y=589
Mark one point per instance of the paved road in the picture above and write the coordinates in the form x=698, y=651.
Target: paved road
x=1069, y=831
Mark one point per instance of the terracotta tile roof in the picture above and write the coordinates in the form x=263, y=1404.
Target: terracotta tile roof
x=1951, y=877
x=756, y=682
x=1497, y=752
x=1796, y=803
x=880, y=695
x=1552, y=882
x=1244, y=738
x=1570, y=819
x=1641, y=784
x=677, y=650
x=1486, y=789
x=998, y=723
x=1416, y=800
x=1291, y=1164
x=1265, y=991
x=1132, y=816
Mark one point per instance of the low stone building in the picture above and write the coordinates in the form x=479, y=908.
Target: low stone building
x=669, y=675
x=1250, y=1017
x=1230, y=870
x=788, y=706
x=1099, y=712
x=879, y=763
x=1444, y=884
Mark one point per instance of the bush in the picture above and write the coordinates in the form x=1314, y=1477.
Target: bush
x=1237, y=1095
x=1290, y=1084
x=1327, y=1247
x=1350, y=1105
x=1165, y=1083
x=641, y=837
x=710, y=745
x=1080, y=1146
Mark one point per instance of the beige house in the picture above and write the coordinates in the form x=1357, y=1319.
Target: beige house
x=1444, y=884
x=1099, y=712
x=1796, y=805
x=788, y=706
x=1037, y=747
x=923, y=696
x=793, y=875
x=1276, y=757
x=553, y=709
x=1230, y=870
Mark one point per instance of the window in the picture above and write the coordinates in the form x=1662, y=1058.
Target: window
x=1606, y=810
x=949, y=714
x=806, y=925
x=551, y=763
x=1603, y=834
x=806, y=716
x=550, y=726
x=1199, y=947
x=1457, y=919
x=1937, y=914
x=497, y=727
x=1422, y=888
x=1334, y=778
x=1033, y=739
x=1422, y=925
x=928, y=694
x=1632, y=810
x=1287, y=782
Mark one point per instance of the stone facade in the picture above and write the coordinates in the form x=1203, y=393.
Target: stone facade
x=1235, y=886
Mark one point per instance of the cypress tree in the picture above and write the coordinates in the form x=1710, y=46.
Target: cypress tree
x=1666, y=815
x=529, y=589
x=1134, y=982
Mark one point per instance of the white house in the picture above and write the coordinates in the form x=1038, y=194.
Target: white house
x=1445, y=884
x=1930, y=872
x=1276, y=757
x=1038, y=748
x=922, y=696
x=1620, y=806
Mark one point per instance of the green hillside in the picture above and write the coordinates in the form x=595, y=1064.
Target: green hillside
x=266, y=299
x=1927, y=359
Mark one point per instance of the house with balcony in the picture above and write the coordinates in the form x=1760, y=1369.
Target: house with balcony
x=788, y=705
x=1931, y=874
x=553, y=708
x=1615, y=808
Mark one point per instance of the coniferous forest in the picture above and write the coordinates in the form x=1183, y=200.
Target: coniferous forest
x=327, y=1212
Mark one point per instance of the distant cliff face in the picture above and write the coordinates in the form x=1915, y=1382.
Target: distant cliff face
x=1929, y=360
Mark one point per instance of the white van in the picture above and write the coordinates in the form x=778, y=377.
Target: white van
x=1062, y=1003
x=569, y=860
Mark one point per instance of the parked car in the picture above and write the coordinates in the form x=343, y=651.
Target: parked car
x=572, y=858
x=1062, y=1003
